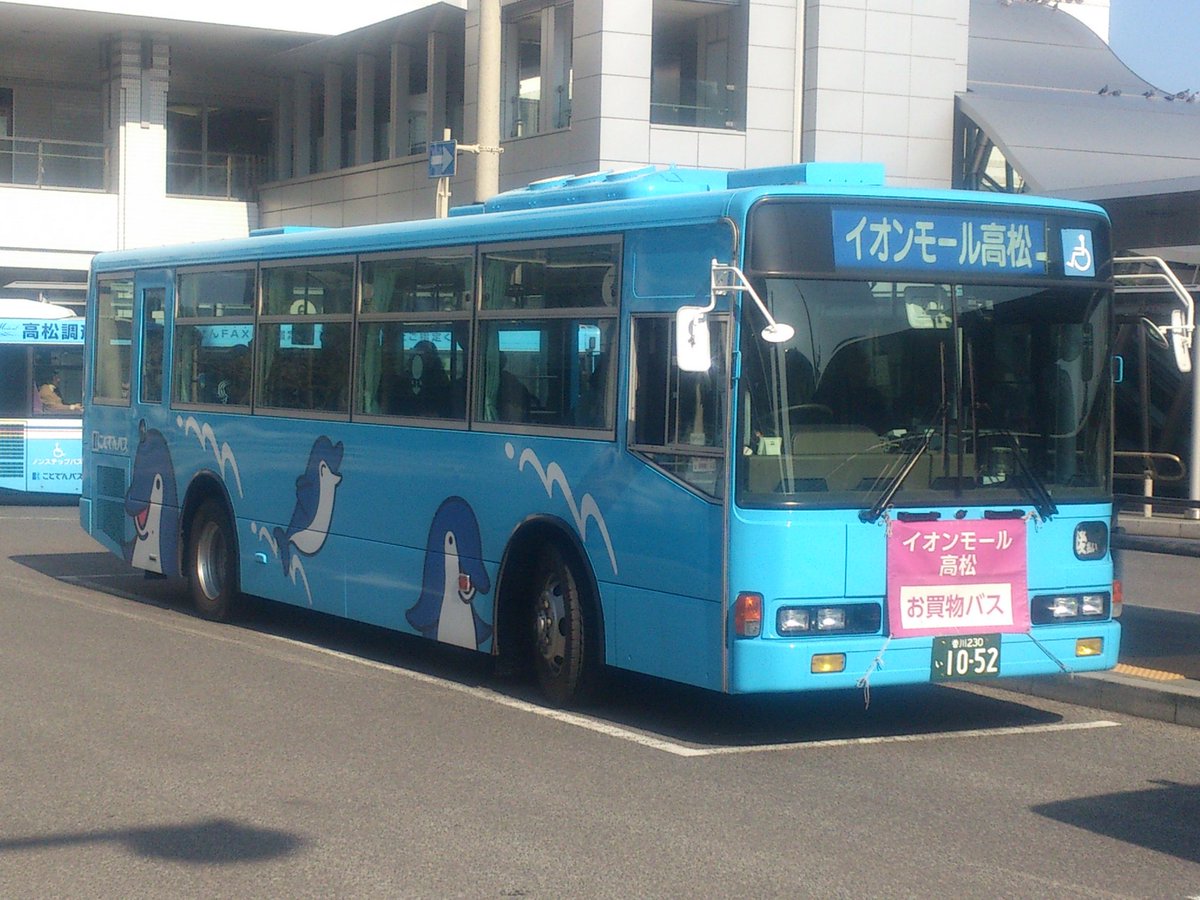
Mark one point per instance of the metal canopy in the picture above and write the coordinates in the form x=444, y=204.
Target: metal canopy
x=1068, y=115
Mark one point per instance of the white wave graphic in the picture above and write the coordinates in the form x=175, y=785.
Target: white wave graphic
x=297, y=568
x=263, y=533
x=587, y=508
x=222, y=453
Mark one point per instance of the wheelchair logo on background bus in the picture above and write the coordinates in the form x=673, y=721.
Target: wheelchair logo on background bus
x=1078, y=259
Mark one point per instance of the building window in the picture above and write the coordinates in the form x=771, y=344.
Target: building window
x=698, y=65
x=216, y=151
x=537, y=69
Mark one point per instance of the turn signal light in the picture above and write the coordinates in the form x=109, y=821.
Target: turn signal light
x=1089, y=646
x=825, y=663
x=747, y=615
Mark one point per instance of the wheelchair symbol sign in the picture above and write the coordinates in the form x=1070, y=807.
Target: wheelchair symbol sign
x=1078, y=259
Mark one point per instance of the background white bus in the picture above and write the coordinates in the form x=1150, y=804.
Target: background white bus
x=41, y=391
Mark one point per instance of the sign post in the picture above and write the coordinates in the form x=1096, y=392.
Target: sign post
x=443, y=161
x=443, y=165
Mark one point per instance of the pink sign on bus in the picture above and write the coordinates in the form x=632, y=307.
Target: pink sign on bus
x=958, y=577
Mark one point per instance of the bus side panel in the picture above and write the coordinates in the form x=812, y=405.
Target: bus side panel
x=666, y=635
x=54, y=457
x=364, y=521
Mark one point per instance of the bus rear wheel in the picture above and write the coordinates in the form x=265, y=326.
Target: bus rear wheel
x=562, y=646
x=212, y=562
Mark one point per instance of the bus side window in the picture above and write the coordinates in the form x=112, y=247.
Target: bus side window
x=679, y=417
x=548, y=322
x=153, y=301
x=12, y=396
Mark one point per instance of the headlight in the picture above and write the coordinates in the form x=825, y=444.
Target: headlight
x=1092, y=604
x=848, y=618
x=792, y=620
x=831, y=618
x=1064, y=607
x=1058, y=608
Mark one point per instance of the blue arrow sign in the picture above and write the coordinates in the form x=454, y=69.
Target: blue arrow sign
x=443, y=155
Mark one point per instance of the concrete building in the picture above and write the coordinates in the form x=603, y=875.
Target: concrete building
x=122, y=129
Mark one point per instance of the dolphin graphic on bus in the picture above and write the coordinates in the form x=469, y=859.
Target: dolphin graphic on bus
x=315, y=489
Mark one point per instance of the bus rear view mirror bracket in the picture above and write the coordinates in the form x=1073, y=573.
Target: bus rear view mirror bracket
x=1175, y=337
x=1180, y=332
x=729, y=278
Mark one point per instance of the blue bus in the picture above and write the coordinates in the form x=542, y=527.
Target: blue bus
x=768, y=430
x=41, y=392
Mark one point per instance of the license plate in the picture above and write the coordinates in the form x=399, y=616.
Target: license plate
x=965, y=656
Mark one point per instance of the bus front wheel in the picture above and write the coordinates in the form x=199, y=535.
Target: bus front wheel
x=212, y=558
x=562, y=653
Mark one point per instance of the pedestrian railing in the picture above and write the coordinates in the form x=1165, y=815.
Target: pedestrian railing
x=40, y=162
x=1154, y=468
x=231, y=176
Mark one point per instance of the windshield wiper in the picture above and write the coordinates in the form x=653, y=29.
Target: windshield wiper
x=876, y=509
x=1043, y=502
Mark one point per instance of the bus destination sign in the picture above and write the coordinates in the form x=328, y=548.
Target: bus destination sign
x=936, y=242
x=41, y=331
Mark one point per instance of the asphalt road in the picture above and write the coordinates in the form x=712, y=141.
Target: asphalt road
x=147, y=753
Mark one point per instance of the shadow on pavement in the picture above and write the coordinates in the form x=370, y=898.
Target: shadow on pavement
x=209, y=842
x=662, y=708
x=1161, y=818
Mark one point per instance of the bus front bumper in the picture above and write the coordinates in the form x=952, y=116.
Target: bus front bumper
x=765, y=665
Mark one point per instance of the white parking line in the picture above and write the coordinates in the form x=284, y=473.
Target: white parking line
x=677, y=749
x=587, y=722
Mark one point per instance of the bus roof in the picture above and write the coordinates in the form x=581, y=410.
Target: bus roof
x=597, y=202
x=21, y=308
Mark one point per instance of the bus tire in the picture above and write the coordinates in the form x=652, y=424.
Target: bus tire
x=563, y=647
x=212, y=562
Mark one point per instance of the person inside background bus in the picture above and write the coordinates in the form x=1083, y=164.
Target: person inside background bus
x=233, y=388
x=428, y=382
x=51, y=399
x=515, y=400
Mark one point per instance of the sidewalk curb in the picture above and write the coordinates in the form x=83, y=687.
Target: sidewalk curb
x=1149, y=543
x=1176, y=702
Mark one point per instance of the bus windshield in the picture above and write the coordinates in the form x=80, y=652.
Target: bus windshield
x=936, y=393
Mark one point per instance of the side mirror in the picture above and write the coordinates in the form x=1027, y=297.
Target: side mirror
x=1181, y=341
x=692, y=350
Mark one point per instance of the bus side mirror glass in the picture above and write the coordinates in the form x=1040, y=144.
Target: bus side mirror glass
x=692, y=351
x=1181, y=342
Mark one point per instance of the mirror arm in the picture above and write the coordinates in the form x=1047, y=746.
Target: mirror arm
x=775, y=332
x=1164, y=273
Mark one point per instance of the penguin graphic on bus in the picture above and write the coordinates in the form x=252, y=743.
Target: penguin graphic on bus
x=453, y=576
x=153, y=504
